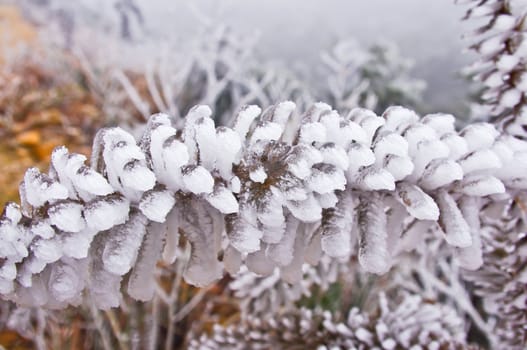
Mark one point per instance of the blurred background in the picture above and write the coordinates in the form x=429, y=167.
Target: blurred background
x=69, y=67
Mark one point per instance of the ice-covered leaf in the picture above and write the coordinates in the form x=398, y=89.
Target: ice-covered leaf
x=223, y=200
x=156, y=204
x=67, y=216
x=105, y=212
x=481, y=186
x=197, y=179
x=38, y=188
x=457, y=231
x=122, y=244
x=439, y=173
x=419, y=204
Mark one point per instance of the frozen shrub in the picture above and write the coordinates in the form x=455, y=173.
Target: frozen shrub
x=274, y=191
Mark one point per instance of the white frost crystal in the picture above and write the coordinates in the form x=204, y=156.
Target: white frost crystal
x=272, y=193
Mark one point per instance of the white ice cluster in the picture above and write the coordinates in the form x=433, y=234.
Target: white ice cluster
x=269, y=193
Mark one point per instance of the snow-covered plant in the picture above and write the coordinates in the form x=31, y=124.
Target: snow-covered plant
x=373, y=78
x=501, y=44
x=408, y=322
x=276, y=190
x=502, y=280
x=267, y=294
x=220, y=69
x=65, y=23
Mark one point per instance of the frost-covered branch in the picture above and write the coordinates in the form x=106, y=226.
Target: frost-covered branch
x=373, y=78
x=274, y=191
x=501, y=282
x=413, y=323
x=502, y=46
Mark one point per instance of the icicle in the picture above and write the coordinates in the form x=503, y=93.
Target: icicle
x=282, y=252
x=141, y=284
x=336, y=227
x=65, y=283
x=373, y=250
x=259, y=263
x=104, y=287
x=232, y=260
x=457, y=231
x=203, y=267
x=122, y=244
x=292, y=272
x=471, y=257
x=172, y=238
